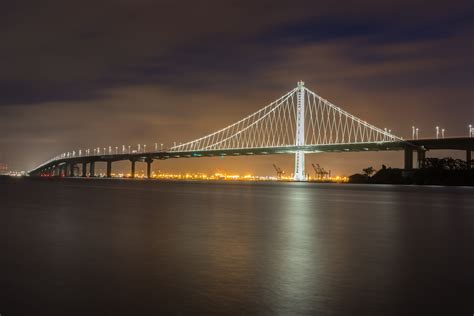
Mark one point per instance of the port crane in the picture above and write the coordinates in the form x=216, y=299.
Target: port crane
x=320, y=172
x=278, y=171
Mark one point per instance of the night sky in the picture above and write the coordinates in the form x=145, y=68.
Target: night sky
x=84, y=74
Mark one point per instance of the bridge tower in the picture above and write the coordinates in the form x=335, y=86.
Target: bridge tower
x=299, y=174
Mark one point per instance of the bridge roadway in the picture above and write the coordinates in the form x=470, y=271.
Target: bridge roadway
x=66, y=166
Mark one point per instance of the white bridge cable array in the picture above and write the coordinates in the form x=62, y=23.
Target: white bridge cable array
x=275, y=126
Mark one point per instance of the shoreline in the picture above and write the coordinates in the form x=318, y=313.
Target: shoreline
x=406, y=184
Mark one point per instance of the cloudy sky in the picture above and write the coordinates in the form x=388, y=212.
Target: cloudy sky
x=83, y=74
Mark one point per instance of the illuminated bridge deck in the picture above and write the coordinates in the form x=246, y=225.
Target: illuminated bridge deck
x=463, y=143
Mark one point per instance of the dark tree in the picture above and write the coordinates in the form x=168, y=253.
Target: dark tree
x=368, y=171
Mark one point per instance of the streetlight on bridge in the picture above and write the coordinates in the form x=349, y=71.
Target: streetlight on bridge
x=442, y=133
x=437, y=132
x=144, y=148
x=417, y=129
x=471, y=130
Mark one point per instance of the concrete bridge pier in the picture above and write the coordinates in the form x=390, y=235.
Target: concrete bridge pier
x=71, y=170
x=109, y=169
x=132, y=172
x=408, y=158
x=468, y=158
x=60, y=170
x=421, y=155
x=92, y=169
x=84, y=169
x=148, y=168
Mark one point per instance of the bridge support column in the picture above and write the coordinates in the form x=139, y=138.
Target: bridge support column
x=408, y=158
x=84, y=169
x=92, y=169
x=299, y=174
x=299, y=166
x=468, y=158
x=132, y=173
x=148, y=168
x=71, y=170
x=109, y=169
x=421, y=155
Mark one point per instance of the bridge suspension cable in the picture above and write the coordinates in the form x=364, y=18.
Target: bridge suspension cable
x=276, y=126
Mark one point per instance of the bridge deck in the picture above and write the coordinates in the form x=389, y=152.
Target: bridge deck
x=464, y=143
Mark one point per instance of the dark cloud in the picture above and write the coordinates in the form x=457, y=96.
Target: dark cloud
x=83, y=73
x=66, y=50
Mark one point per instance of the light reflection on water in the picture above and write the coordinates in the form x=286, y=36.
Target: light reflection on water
x=298, y=259
x=131, y=247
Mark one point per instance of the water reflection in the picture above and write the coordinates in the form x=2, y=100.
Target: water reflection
x=299, y=257
x=146, y=248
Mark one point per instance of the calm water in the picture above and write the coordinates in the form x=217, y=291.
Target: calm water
x=118, y=247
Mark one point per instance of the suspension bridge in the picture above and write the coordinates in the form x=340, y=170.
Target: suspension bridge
x=297, y=123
